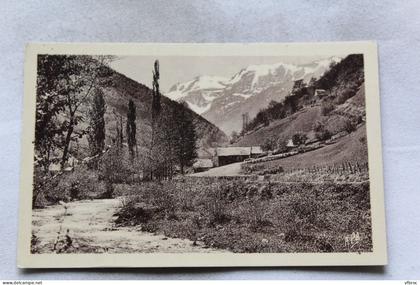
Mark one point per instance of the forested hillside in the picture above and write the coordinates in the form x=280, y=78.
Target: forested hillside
x=304, y=112
x=118, y=89
x=92, y=76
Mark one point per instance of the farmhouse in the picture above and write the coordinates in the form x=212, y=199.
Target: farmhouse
x=227, y=155
x=290, y=144
x=202, y=164
x=320, y=93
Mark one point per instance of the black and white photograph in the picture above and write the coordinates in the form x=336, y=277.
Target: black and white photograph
x=207, y=153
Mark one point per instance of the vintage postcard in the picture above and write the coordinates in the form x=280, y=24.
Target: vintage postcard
x=187, y=155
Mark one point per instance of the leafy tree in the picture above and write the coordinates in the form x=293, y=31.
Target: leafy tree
x=64, y=83
x=346, y=94
x=269, y=144
x=131, y=128
x=52, y=71
x=96, y=136
x=321, y=132
x=350, y=125
x=77, y=87
x=298, y=84
x=290, y=104
x=112, y=170
x=345, y=68
x=299, y=138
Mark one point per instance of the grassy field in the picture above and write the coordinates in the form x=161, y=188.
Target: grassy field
x=248, y=215
x=350, y=148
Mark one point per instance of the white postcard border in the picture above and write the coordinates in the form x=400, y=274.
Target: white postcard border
x=377, y=257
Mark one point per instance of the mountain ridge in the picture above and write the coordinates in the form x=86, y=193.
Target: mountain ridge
x=222, y=101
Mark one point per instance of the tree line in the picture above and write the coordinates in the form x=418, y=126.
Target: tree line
x=70, y=96
x=347, y=70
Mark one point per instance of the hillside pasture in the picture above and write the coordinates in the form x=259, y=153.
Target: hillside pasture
x=349, y=148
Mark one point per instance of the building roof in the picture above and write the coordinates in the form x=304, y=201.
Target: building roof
x=205, y=153
x=320, y=92
x=238, y=150
x=203, y=163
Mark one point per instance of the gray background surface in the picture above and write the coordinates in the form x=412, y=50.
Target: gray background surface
x=395, y=25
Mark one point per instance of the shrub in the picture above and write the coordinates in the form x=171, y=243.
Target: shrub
x=256, y=214
x=299, y=138
x=113, y=167
x=81, y=183
x=321, y=132
x=160, y=194
x=269, y=144
x=35, y=242
x=343, y=96
x=109, y=190
x=350, y=125
x=45, y=189
x=327, y=108
x=248, y=168
x=134, y=212
x=215, y=207
x=271, y=170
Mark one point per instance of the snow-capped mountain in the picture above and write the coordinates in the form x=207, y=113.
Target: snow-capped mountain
x=222, y=101
x=199, y=92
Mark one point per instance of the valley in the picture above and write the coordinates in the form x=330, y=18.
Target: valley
x=188, y=172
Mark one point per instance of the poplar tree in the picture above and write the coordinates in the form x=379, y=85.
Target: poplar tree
x=156, y=93
x=155, y=148
x=97, y=123
x=131, y=128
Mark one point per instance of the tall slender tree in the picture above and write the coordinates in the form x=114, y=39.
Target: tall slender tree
x=96, y=134
x=185, y=136
x=131, y=128
x=155, y=147
x=156, y=93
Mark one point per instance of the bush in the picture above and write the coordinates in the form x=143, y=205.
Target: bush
x=269, y=144
x=327, y=108
x=134, y=212
x=321, y=132
x=215, y=207
x=350, y=125
x=45, y=189
x=81, y=183
x=255, y=212
x=299, y=138
x=248, y=168
x=161, y=195
x=254, y=216
x=343, y=96
x=113, y=167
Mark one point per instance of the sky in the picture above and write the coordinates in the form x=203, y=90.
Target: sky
x=174, y=69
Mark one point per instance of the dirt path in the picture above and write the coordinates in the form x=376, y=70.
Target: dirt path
x=91, y=228
x=227, y=170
